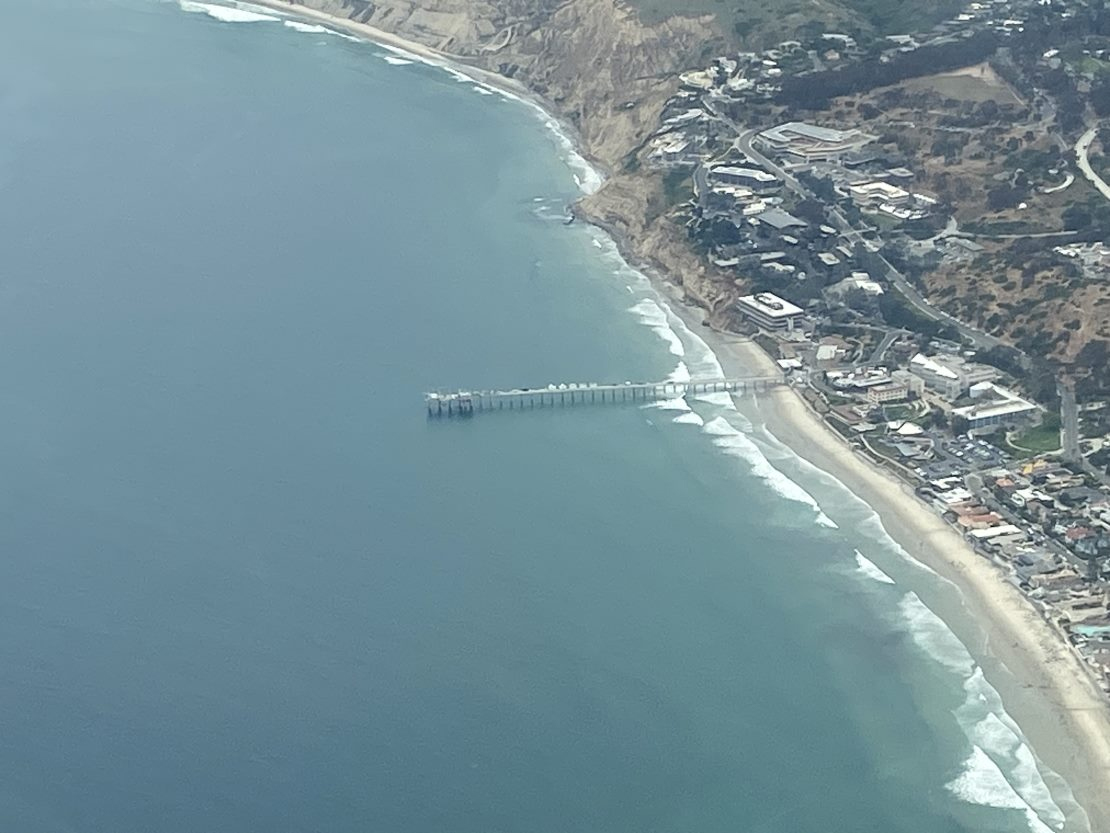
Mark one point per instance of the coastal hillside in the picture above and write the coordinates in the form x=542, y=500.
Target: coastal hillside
x=606, y=69
x=612, y=69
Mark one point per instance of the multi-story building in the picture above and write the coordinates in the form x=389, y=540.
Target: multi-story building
x=810, y=142
x=950, y=376
x=995, y=405
x=769, y=311
x=889, y=392
x=754, y=179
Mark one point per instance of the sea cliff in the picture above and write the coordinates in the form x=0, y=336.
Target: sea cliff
x=605, y=72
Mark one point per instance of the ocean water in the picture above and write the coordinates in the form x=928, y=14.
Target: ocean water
x=246, y=585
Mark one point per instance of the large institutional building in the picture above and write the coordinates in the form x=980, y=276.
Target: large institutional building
x=769, y=311
x=811, y=143
x=950, y=376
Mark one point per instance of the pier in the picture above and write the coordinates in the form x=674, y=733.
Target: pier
x=465, y=403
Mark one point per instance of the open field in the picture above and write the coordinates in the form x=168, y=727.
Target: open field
x=976, y=83
x=1039, y=439
x=760, y=19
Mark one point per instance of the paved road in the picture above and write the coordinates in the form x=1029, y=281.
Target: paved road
x=879, y=352
x=1069, y=433
x=1069, y=422
x=979, y=339
x=1082, y=149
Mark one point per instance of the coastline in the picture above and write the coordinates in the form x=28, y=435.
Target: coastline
x=455, y=64
x=1050, y=695
x=1055, y=702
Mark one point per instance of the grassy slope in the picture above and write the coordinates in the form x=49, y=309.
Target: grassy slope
x=759, y=20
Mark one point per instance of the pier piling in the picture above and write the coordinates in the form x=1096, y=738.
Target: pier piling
x=467, y=403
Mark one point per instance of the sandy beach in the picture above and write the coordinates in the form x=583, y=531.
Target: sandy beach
x=1053, y=699
x=425, y=53
x=1051, y=696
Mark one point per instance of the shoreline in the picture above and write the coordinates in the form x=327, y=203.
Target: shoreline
x=504, y=85
x=1050, y=695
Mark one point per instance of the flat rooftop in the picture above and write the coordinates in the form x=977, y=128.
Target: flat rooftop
x=800, y=132
x=747, y=173
x=804, y=130
x=771, y=305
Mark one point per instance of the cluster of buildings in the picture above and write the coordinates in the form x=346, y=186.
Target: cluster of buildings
x=756, y=77
x=923, y=407
x=1050, y=529
x=1092, y=259
x=771, y=238
x=810, y=143
x=859, y=176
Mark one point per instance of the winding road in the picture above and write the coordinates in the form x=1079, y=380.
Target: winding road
x=1082, y=149
x=979, y=339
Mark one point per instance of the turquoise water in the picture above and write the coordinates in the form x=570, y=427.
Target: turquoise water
x=246, y=585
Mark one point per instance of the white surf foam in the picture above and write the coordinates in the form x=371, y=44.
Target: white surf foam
x=982, y=782
x=397, y=60
x=653, y=316
x=722, y=399
x=998, y=745
x=681, y=373
x=702, y=360
x=872, y=526
x=1030, y=785
x=226, y=14
x=689, y=418
x=934, y=637
x=737, y=444
x=872, y=570
x=307, y=28
x=676, y=404
x=987, y=725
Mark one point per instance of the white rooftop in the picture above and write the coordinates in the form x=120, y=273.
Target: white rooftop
x=771, y=305
x=748, y=173
x=804, y=130
x=931, y=365
x=1005, y=403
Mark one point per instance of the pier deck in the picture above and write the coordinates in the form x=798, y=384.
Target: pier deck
x=463, y=402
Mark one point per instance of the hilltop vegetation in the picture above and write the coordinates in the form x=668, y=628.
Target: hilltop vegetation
x=753, y=23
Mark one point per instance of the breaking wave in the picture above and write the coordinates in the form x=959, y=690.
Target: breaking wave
x=872, y=570
x=736, y=443
x=226, y=14
x=652, y=316
x=689, y=418
x=1001, y=770
x=307, y=28
x=676, y=404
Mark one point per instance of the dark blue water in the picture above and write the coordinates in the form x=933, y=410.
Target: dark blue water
x=245, y=585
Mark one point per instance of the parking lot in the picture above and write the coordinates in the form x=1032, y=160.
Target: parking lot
x=954, y=458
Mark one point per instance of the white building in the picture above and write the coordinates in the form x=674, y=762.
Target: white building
x=998, y=406
x=875, y=194
x=758, y=181
x=769, y=311
x=890, y=392
x=950, y=376
x=810, y=142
